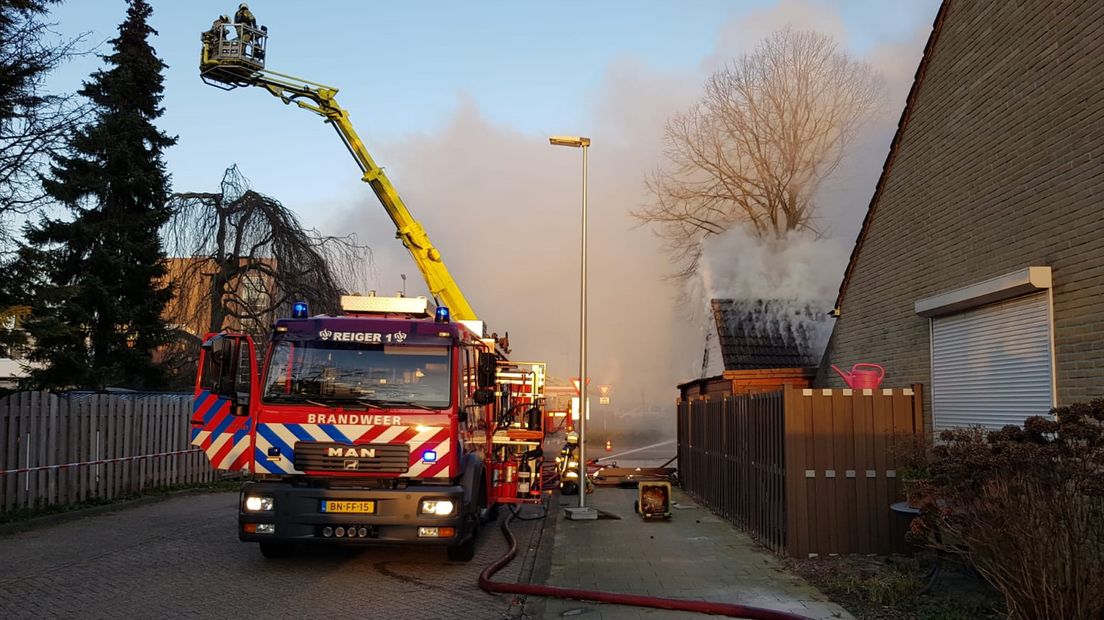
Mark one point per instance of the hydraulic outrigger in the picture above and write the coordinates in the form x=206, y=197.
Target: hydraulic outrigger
x=233, y=56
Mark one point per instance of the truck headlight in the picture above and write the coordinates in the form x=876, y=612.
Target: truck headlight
x=437, y=507
x=258, y=503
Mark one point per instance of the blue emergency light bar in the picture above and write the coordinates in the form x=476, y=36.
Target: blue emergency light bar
x=442, y=314
x=299, y=310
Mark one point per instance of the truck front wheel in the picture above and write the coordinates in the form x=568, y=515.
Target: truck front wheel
x=464, y=552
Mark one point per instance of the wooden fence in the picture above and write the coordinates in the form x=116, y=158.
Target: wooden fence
x=60, y=449
x=805, y=471
x=731, y=459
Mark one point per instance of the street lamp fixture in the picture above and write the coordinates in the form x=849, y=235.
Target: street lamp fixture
x=575, y=141
x=582, y=511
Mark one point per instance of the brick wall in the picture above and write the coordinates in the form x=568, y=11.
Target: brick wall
x=1000, y=167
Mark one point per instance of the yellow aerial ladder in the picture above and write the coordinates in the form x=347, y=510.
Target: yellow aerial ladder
x=233, y=55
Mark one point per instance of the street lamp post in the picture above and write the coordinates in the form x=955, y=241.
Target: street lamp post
x=582, y=512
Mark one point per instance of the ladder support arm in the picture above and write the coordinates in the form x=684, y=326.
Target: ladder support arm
x=321, y=100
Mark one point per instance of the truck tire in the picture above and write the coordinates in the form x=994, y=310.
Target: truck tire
x=275, y=550
x=464, y=552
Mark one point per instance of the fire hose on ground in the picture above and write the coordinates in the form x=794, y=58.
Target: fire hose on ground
x=705, y=607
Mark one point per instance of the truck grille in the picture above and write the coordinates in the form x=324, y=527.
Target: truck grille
x=366, y=458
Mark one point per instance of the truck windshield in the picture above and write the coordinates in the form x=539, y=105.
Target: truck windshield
x=348, y=372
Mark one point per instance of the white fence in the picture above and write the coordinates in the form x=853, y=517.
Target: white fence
x=61, y=449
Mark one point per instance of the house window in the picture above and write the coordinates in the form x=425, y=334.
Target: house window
x=992, y=362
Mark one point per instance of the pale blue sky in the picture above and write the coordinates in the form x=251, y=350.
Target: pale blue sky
x=403, y=68
x=456, y=100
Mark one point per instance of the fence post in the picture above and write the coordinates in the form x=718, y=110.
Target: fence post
x=52, y=450
x=28, y=436
x=918, y=408
x=8, y=432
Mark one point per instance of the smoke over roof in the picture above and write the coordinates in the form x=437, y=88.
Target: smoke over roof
x=770, y=333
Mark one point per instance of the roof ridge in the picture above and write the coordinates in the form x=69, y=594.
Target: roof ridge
x=887, y=167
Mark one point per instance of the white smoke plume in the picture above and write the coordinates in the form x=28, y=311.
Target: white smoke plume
x=799, y=267
x=803, y=270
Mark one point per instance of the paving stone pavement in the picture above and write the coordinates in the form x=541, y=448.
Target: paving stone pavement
x=180, y=558
x=696, y=555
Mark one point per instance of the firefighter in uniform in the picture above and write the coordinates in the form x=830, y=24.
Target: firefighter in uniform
x=213, y=37
x=244, y=16
x=569, y=474
x=246, y=23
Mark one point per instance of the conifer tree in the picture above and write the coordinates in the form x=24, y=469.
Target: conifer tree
x=33, y=121
x=97, y=313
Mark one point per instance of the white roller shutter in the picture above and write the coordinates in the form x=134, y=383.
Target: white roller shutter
x=992, y=365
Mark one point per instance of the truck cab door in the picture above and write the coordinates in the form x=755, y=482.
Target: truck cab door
x=225, y=391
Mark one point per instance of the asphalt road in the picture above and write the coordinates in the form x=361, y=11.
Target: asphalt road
x=181, y=558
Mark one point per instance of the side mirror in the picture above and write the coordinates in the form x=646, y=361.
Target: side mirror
x=483, y=396
x=487, y=371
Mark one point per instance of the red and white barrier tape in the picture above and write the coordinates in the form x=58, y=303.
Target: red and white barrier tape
x=24, y=470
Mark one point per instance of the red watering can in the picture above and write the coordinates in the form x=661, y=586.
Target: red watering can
x=860, y=379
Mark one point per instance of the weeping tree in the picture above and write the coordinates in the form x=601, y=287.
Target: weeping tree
x=241, y=259
x=753, y=150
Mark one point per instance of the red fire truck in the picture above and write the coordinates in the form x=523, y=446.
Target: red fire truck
x=400, y=421
x=391, y=423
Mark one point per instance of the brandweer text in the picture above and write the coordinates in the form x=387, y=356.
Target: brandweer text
x=353, y=418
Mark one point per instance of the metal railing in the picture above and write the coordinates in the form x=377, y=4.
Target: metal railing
x=731, y=460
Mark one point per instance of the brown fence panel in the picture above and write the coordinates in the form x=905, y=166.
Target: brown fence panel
x=57, y=449
x=841, y=497
x=806, y=471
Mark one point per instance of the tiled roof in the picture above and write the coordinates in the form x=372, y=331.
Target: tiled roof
x=770, y=333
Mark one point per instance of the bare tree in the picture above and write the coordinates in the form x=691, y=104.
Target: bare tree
x=752, y=152
x=241, y=258
x=33, y=123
